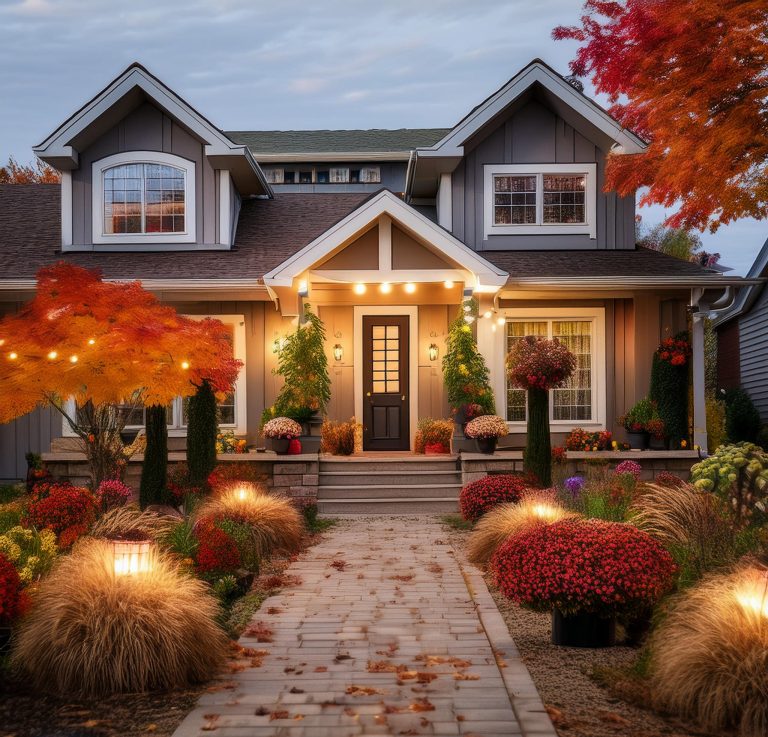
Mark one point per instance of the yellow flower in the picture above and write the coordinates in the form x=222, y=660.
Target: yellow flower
x=614, y=444
x=683, y=443
x=9, y=548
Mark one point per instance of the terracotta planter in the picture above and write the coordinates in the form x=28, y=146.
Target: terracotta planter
x=583, y=630
x=637, y=440
x=487, y=445
x=281, y=445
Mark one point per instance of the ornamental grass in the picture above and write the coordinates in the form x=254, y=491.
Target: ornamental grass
x=536, y=507
x=709, y=656
x=275, y=524
x=132, y=523
x=480, y=496
x=93, y=633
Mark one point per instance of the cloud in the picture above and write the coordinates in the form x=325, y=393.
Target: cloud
x=308, y=85
x=355, y=95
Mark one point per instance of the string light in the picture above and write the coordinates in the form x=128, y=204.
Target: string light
x=385, y=288
x=410, y=288
x=2, y=341
x=359, y=289
x=13, y=355
x=91, y=342
x=500, y=320
x=52, y=355
x=185, y=365
x=487, y=314
x=448, y=284
x=73, y=359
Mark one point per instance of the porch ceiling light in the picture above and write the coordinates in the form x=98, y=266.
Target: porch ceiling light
x=303, y=288
x=487, y=314
x=359, y=289
x=448, y=284
x=410, y=288
x=500, y=320
x=385, y=288
x=433, y=351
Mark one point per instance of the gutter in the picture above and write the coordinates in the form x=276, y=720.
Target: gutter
x=646, y=282
x=166, y=285
x=331, y=156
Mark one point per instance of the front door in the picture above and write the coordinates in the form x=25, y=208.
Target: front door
x=386, y=415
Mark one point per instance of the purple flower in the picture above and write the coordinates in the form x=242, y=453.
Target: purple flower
x=574, y=485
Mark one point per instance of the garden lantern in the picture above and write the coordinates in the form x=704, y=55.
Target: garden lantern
x=131, y=557
x=752, y=596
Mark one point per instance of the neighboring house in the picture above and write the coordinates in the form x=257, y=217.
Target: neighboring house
x=384, y=233
x=742, y=338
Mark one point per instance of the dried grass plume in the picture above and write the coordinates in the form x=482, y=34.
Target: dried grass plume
x=710, y=654
x=130, y=521
x=536, y=507
x=91, y=633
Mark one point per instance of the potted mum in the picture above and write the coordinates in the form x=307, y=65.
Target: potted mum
x=433, y=437
x=281, y=431
x=636, y=421
x=538, y=365
x=486, y=431
x=585, y=572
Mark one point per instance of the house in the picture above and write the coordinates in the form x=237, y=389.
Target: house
x=742, y=338
x=384, y=232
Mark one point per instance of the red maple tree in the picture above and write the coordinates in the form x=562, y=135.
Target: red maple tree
x=37, y=173
x=104, y=344
x=691, y=77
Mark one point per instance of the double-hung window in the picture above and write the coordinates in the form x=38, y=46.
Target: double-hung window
x=580, y=401
x=543, y=199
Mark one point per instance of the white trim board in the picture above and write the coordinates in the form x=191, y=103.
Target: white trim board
x=413, y=358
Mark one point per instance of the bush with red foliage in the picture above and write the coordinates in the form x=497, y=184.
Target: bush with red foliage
x=583, y=566
x=479, y=497
x=217, y=552
x=13, y=600
x=668, y=479
x=226, y=474
x=67, y=510
x=113, y=493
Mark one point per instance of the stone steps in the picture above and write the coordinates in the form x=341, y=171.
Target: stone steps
x=387, y=478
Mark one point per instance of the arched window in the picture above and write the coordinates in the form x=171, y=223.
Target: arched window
x=143, y=197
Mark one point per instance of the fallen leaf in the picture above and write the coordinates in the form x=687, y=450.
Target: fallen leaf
x=362, y=691
x=274, y=610
x=321, y=669
x=90, y=723
x=422, y=705
x=296, y=690
x=341, y=657
x=260, y=631
x=150, y=728
x=435, y=568
x=278, y=715
x=613, y=718
x=402, y=577
x=465, y=677
x=339, y=565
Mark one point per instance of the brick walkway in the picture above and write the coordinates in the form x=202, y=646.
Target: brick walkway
x=387, y=633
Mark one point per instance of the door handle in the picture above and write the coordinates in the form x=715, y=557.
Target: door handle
x=402, y=398
x=367, y=394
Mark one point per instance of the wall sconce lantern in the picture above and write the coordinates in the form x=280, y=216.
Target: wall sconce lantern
x=338, y=352
x=277, y=344
x=433, y=351
x=131, y=557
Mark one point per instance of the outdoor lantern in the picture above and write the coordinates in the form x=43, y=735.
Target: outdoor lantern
x=433, y=351
x=131, y=557
x=277, y=345
x=753, y=597
x=338, y=352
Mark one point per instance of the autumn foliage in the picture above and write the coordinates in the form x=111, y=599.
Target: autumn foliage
x=37, y=173
x=105, y=342
x=690, y=77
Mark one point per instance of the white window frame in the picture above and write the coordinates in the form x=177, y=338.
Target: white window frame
x=596, y=315
x=100, y=237
x=176, y=428
x=274, y=175
x=589, y=171
x=370, y=175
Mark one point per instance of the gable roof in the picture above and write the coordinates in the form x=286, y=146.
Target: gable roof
x=536, y=72
x=297, y=145
x=61, y=148
x=381, y=203
x=747, y=296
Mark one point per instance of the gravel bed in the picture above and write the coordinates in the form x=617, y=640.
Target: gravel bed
x=577, y=704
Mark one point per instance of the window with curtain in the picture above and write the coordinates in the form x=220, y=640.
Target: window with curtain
x=574, y=401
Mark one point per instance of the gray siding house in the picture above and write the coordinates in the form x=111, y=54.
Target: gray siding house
x=383, y=232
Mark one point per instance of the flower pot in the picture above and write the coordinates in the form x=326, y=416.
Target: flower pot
x=583, y=630
x=281, y=445
x=657, y=443
x=637, y=440
x=435, y=449
x=487, y=445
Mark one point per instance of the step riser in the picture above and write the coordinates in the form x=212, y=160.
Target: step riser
x=387, y=492
x=363, y=467
x=389, y=479
x=391, y=508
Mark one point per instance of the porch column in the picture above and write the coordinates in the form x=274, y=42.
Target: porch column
x=697, y=364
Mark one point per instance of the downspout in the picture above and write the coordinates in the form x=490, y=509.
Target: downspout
x=409, y=173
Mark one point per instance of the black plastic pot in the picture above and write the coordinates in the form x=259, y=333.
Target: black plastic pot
x=487, y=445
x=637, y=440
x=657, y=443
x=583, y=630
x=280, y=445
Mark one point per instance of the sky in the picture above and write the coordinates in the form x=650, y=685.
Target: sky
x=290, y=64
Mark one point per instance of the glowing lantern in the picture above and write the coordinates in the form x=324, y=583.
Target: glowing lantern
x=433, y=351
x=752, y=596
x=131, y=557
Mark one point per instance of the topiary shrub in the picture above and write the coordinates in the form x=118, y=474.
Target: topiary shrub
x=154, y=470
x=478, y=497
x=738, y=474
x=202, y=429
x=742, y=420
x=709, y=655
x=583, y=566
x=93, y=633
x=669, y=386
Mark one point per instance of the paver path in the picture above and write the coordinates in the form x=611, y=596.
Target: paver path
x=387, y=633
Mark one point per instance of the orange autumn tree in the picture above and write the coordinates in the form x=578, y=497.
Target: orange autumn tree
x=37, y=173
x=691, y=77
x=106, y=345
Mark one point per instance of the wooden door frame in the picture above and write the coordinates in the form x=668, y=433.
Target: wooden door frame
x=412, y=312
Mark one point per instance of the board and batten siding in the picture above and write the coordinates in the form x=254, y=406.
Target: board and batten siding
x=753, y=352
x=533, y=134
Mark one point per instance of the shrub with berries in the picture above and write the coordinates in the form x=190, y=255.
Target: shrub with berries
x=478, y=497
x=13, y=600
x=217, y=552
x=584, y=566
x=112, y=493
x=66, y=509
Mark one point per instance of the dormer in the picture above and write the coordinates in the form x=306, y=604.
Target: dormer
x=525, y=170
x=144, y=171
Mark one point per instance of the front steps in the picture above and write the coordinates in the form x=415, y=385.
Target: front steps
x=389, y=485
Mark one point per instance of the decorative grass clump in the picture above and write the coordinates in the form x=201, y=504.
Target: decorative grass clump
x=92, y=633
x=276, y=525
x=709, y=656
x=536, y=507
x=131, y=522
